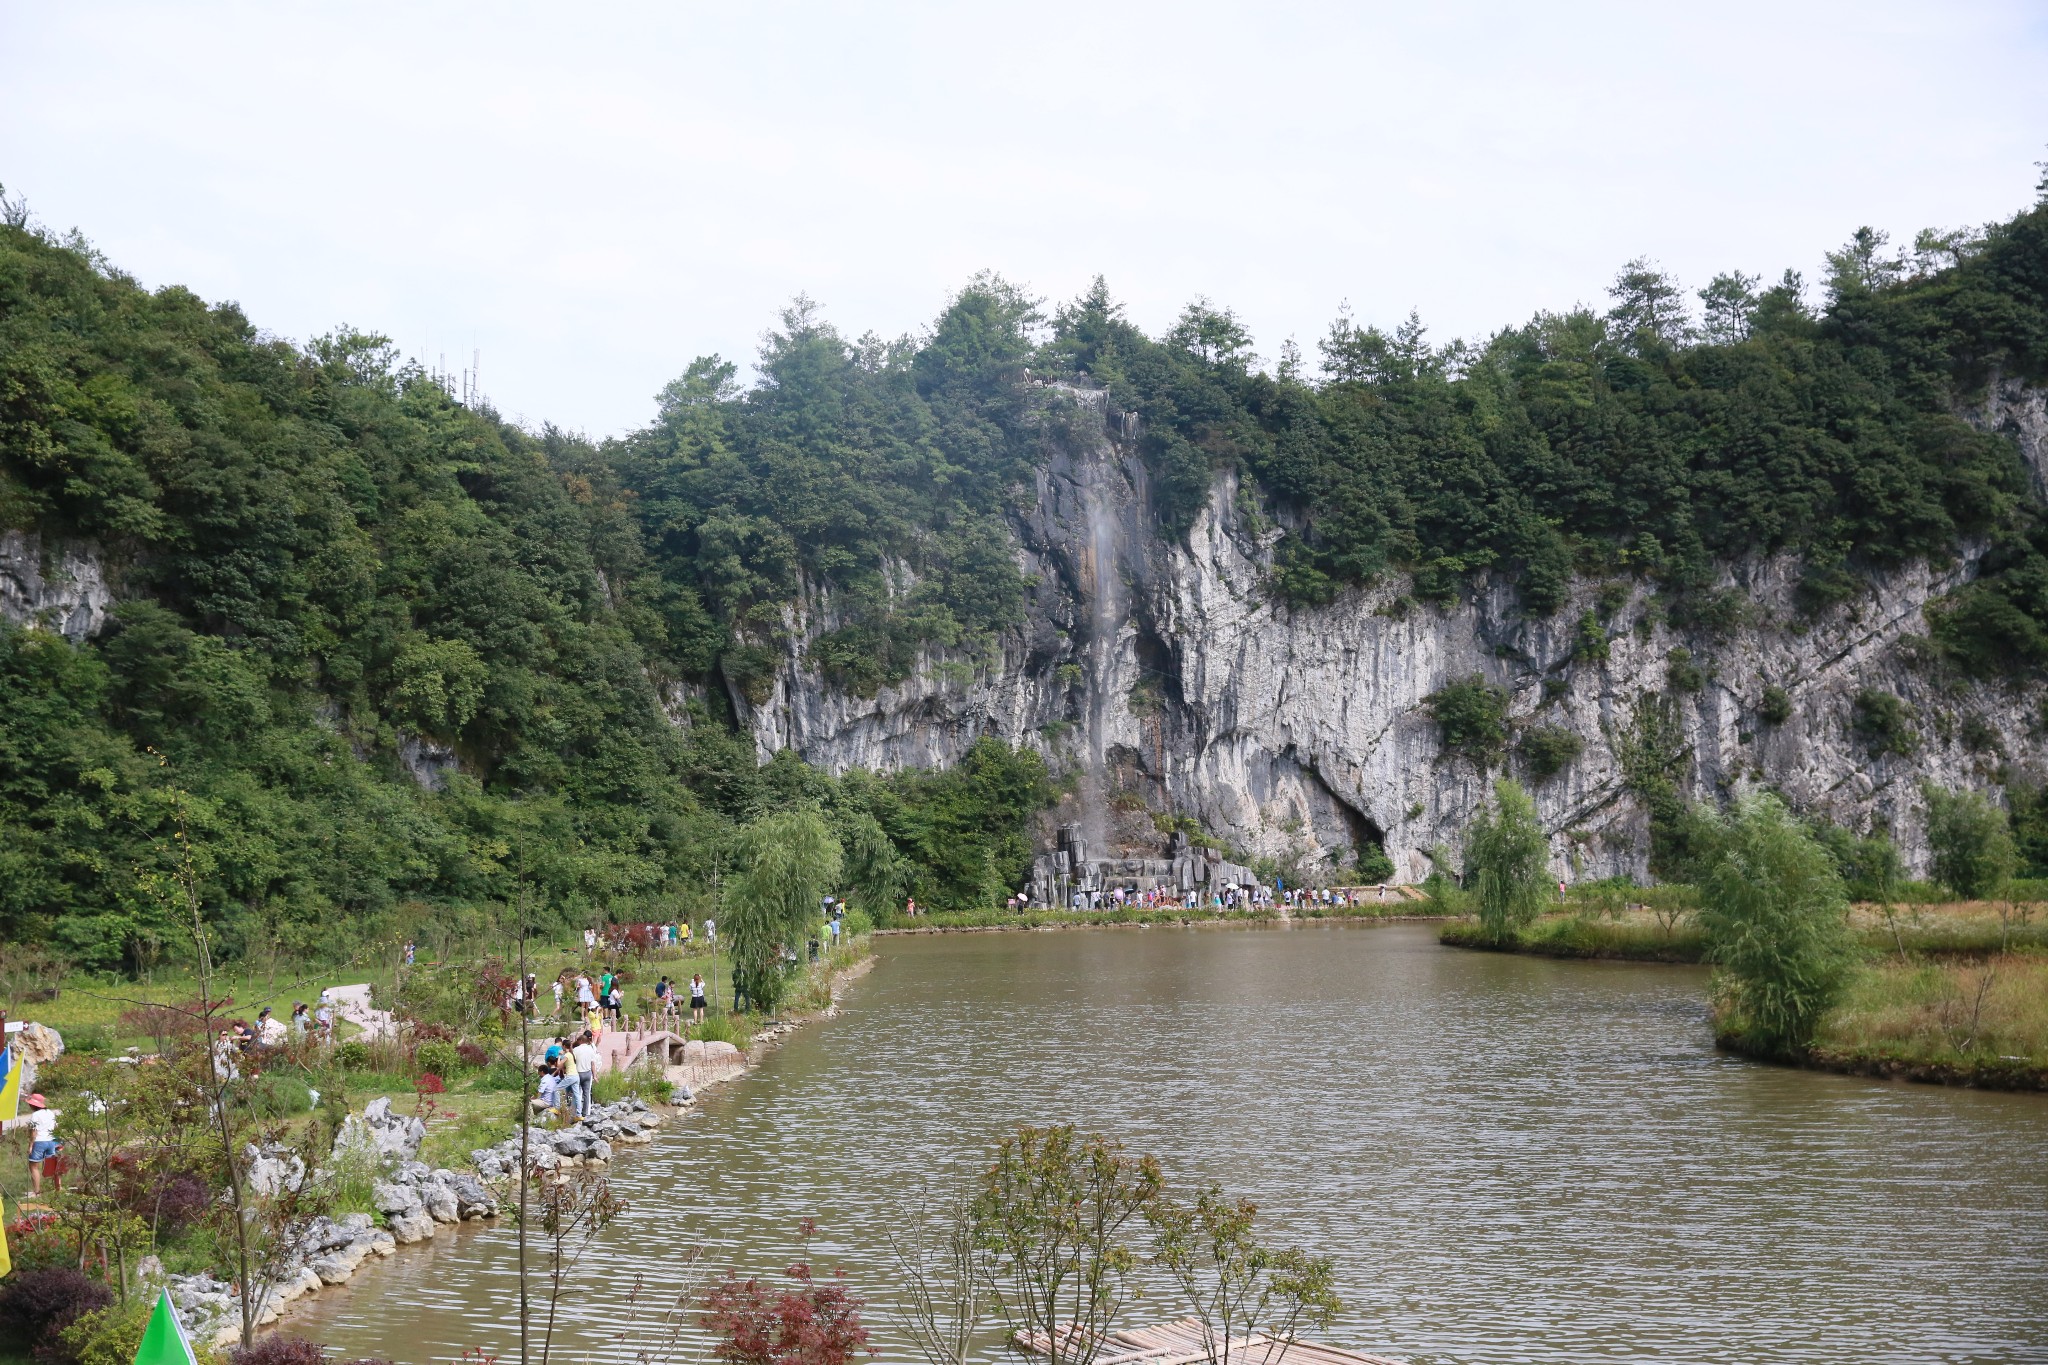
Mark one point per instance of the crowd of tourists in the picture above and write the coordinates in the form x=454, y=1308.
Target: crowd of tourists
x=1223, y=898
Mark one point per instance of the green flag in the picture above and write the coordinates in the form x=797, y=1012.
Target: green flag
x=164, y=1341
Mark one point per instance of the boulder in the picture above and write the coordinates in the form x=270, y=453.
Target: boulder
x=440, y=1203
x=414, y=1225
x=681, y=1094
x=392, y=1199
x=716, y=1051
x=274, y=1170
x=334, y=1267
x=389, y=1135
x=472, y=1199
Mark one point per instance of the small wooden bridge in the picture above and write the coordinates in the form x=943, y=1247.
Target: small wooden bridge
x=1181, y=1343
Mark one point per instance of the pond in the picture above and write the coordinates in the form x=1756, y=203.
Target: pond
x=1510, y=1158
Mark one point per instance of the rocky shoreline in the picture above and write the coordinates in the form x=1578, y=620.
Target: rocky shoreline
x=415, y=1199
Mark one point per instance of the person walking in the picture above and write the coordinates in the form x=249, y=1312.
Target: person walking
x=585, y=1053
x=43, y=1143
x=408, y=952
x=557, y=1012
x=302, y=1021
x=697, y=998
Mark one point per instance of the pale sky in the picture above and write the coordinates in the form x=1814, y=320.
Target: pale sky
x=592, y=194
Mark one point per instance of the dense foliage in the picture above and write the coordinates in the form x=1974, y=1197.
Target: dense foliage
x=328, y=568
x=1507, y=863
x=378, y=654
x=1637, y=441
x=1775, y=914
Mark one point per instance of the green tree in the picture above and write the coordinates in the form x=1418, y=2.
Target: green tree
x=1775, y=917
x=1507, y=862
x=1048, y=1219
x=785, y=863
x=1235, y=1284
x=1974, y=853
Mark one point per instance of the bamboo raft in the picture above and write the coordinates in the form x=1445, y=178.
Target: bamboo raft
x=1180, y=1343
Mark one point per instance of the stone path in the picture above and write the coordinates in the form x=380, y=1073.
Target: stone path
x=352, y=1003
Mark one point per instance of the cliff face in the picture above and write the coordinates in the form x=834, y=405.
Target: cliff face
x=1167, y=672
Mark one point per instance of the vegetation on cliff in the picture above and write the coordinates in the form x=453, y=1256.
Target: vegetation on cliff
x=379, y=656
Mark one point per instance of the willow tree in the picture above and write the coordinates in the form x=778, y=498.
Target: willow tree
x=1507, y=862
x=1776, y=917
x=874, y=870
x=786, y=862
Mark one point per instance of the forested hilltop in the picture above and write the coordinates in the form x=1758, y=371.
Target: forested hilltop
x=324, y=562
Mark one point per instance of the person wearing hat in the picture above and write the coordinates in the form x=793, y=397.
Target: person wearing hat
x=43, y=1144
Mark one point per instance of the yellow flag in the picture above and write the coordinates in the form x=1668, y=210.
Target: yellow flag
x=11, y=1067
x=6, y=1256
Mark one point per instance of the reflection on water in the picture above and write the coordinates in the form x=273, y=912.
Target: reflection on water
x=1512, y=1159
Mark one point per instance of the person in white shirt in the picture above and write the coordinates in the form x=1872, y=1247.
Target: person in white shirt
x=586, y=1072
x=269, y=1029
x=558, y=999
x=43, y=1144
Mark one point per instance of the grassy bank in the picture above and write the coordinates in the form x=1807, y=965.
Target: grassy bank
x=1950, y=992
x=1979, y=1022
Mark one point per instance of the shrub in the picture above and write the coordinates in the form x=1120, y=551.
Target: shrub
x=1507, y=863
x=36, y=1305
x=858, y=923
x=1589, y=643
x=1776, y=706
x=1549, y=749
x=277, y=1095
x=1373, y=864
x=279, y=1348
x=1974, y=854
x=106, y=1336
x=1681, y=672
x=430, y=1084
x=353, y=1055
x=1776, y=920
x=1885, y=724
x=439, y=1057
x=472, y=1055
x=717, y=1028
x=815, y=1323
x=170, y=1203
x=1471, y=717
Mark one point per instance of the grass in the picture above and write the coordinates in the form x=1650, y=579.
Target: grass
x=1954, y=992
x=1924, y=929
x=1635, y=938
x=1982, y=1021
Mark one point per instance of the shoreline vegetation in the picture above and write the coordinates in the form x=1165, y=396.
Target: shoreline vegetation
x=435, y=1057
x=1945, y=992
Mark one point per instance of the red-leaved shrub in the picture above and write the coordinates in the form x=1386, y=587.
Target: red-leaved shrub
x=472, y=1054
x=812, y=1324
x=279, y=1348
x=35, y=1305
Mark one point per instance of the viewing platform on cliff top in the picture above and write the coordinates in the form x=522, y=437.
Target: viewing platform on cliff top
x=1180, y=1343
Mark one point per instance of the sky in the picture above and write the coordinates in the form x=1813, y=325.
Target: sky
x=591, y=195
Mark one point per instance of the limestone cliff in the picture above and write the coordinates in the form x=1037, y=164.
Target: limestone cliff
x=1167, y=672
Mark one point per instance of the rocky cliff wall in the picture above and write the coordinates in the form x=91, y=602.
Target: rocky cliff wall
x=1166, y=672
x=60, y=586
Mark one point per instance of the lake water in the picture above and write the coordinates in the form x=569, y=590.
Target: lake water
x=1512, y=1159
